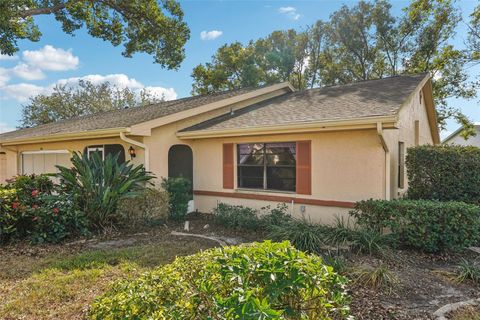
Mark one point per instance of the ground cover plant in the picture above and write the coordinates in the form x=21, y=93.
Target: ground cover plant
x=256, y=281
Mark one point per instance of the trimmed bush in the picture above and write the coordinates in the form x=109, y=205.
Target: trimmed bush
x=151, y=206
x=428, y=225
x=179, y=193
x=241, y=217
x=446, y=173
x=257, y=281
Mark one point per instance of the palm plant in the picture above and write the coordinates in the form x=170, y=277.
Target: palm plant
x=98, y=185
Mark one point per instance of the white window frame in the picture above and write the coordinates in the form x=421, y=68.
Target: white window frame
x=95, y=149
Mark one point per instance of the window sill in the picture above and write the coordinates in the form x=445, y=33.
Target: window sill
x=247, y=190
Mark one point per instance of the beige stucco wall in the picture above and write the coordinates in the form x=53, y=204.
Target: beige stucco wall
x=346, y=166
x=13, y=153
x=413, y=110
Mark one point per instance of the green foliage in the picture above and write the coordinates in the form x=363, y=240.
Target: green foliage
x=237, y=217
x=150, y=206
x=257, y=281
x=98, y=185
x=376, y=278
x=32, y=207
x=241, y=217
x=86, y=98
x=148, y=26
x=360, y=42
x=467, y=270
x=179, y=194
x=427, y=225
x=445, y=172
x=301, y=233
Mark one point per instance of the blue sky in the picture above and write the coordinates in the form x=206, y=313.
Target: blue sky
x=59, y=57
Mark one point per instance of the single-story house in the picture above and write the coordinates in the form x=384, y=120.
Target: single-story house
x=317, y=150
x=456, y=138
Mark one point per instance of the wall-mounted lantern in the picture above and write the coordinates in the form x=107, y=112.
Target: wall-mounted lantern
x=131, y=152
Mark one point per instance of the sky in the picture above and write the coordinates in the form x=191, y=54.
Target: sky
x=60, y=58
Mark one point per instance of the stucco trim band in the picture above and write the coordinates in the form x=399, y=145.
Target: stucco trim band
x=264, y=197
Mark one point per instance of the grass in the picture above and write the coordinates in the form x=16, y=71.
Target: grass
x=376, y=278
x=468, y=271
x=466, y=313
x=62, y=286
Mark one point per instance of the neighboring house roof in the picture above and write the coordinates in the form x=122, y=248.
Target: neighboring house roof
x=457, y=132
x=365, y=99
x=120, y=118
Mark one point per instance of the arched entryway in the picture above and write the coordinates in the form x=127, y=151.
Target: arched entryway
x=180, y=162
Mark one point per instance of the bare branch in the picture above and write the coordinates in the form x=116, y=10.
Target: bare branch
x=39, y=11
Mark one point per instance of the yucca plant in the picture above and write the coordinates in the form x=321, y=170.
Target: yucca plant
x=98, y=185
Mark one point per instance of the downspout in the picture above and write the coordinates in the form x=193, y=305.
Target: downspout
x=140, y=145
x=387, y=160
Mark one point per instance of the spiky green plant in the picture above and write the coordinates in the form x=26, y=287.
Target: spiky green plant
x=376, y=278
x=98, y=185
x=467, y=270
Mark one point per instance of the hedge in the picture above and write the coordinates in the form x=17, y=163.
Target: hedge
x=428, y=225
x=256, y=281
x=446, y=173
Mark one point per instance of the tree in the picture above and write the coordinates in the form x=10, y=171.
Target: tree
x=150, y=26
x=363, y=42
x=67, y=101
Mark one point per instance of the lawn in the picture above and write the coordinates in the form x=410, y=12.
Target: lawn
x=60, y=282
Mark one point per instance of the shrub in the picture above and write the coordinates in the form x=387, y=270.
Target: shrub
x=237, y=217
x=149, y=207
x=303, y=234
x=31, y=207
x=257, y=281
x=98, y=185
x=179, y=193
x=241, y=217
x=431, y=226
x=445, y=172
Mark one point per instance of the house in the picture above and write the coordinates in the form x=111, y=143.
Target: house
x=317, y=150
x=456, y=138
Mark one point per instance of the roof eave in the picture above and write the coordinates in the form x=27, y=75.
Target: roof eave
x=313, y=126
x=103, y=133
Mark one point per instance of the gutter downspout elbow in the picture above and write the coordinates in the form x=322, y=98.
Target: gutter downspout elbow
x=387, y=160
x=140, y=145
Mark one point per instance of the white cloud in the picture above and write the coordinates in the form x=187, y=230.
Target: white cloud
x=210, y=35
x=50, y=58
x=290, y=12
x=22, y=91
x=7, y=57
x=160, y=92
x=4, y=127
x=4, y=77
x=27, y=72
x=119, y=79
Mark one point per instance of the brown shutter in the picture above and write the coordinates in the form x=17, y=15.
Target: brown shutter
x=228, y=165
x=304, y=167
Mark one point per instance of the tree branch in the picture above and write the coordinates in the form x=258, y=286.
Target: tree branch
x=38, y=11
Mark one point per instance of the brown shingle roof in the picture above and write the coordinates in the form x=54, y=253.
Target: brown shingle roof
x=120, y=118
x=371, y=98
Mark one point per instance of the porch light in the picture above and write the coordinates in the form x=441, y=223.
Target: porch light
x=131, y=152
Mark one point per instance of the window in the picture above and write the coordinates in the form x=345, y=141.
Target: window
x=268, y=166
x=401, y=165
x=106, y=149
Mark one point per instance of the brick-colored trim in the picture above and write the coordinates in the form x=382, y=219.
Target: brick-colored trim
x=264, y=197
x=304, y=167
x=228, y=168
